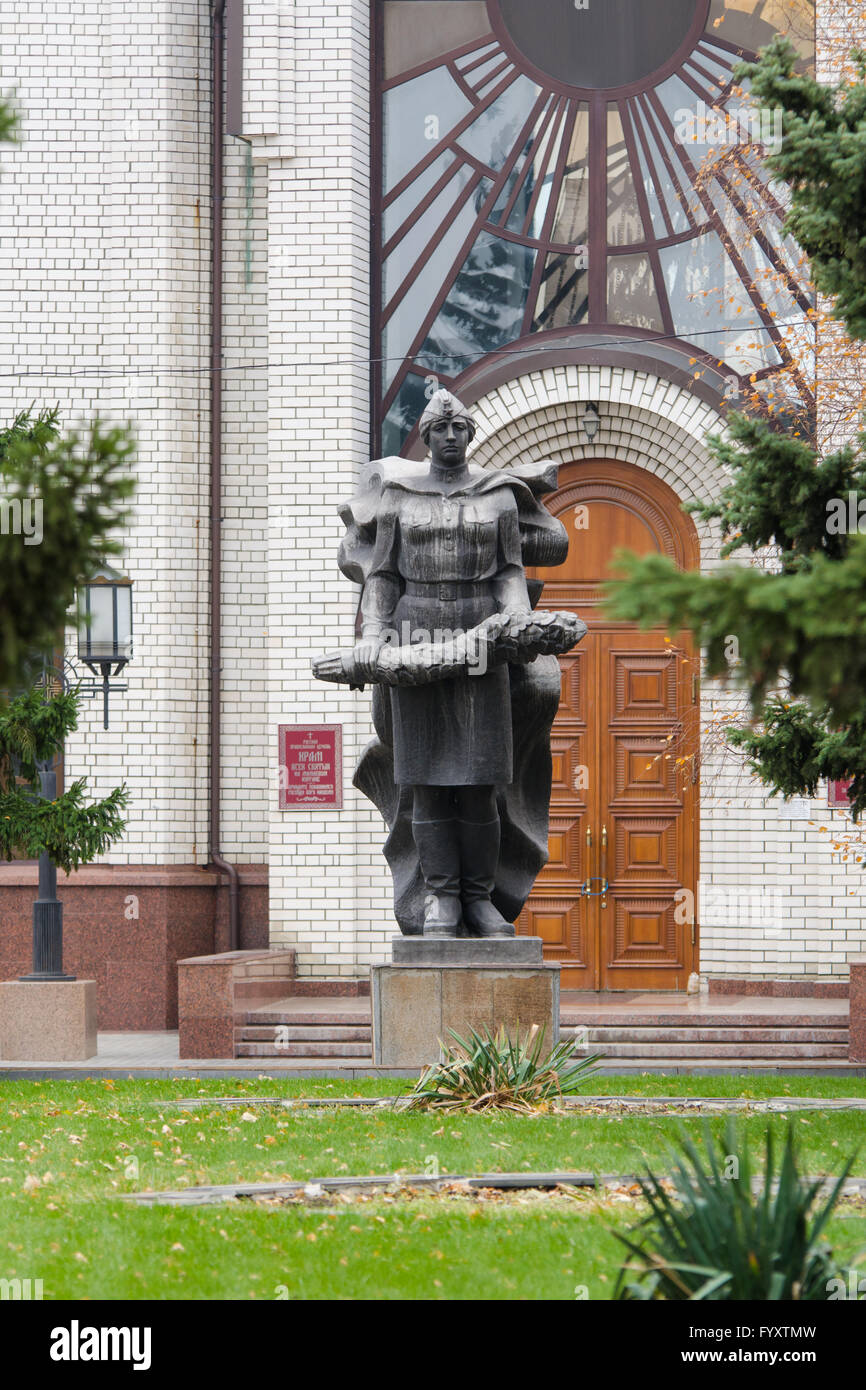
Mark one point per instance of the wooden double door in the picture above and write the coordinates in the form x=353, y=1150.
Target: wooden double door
x=615, y=905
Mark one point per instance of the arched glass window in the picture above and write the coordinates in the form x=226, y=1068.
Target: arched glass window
x=542, y=187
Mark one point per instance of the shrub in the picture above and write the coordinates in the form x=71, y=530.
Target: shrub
x=722, y=1235
x=492, y=1072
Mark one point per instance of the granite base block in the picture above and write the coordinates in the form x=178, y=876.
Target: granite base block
x=467, y=950
x=857, y=1007
x=416, y=1007
x=47, y=1020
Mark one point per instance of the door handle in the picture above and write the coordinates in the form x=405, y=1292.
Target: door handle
x=591, y=878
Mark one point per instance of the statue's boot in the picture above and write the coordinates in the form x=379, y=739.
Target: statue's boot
x=479, y=857
x=439, y=856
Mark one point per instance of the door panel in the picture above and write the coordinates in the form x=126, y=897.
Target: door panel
x=624, y=799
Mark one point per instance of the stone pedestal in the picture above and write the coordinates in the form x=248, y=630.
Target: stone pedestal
x=435, y=986
x=47, y=1020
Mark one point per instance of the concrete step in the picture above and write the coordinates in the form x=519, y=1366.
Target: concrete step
x=573, y=1018
x=304, y=1049
x=321, y=1031
x=735, y=1051
x=289, y=1033
x=618, y=1034
x=309, y=1018
x=607, y=1018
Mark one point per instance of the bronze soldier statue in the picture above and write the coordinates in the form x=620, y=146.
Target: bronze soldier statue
x=460, y=768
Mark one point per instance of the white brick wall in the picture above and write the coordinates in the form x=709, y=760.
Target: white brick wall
x=105, y=203
x=329, y=890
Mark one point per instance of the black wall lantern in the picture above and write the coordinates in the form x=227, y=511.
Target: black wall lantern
x=105, y=629
x=591, y=420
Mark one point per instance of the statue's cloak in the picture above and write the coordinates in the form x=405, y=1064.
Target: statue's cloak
x=535, y=688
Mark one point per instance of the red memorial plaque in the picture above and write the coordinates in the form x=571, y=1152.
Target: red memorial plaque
x=311, y=765
x=837, y=792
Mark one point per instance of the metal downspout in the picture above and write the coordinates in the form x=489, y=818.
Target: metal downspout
x=216, y=349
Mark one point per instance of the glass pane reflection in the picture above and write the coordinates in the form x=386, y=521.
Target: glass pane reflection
x=446, y=25
x=408, y=251
x=571, y=222
x=417, y=115
x=491, y=136
x=665, y=189
x=549, y=162
x=396, y=213
x=521, y=172
x=754, y=26
x=624, y=222
x=773, y=286
x=631, y=293
x=408, y=405
x=485, y=307
x=711, y=307
x=563, y=296
x=405, y=322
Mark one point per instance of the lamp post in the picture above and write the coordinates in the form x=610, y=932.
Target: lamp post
x=47, y=909
x=105, y=628
x=104, y=641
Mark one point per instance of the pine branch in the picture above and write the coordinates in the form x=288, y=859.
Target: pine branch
x=70, y=831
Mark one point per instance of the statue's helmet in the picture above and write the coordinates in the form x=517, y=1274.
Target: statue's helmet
x=444, y=406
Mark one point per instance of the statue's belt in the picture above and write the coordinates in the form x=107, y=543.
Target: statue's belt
x=448, y=590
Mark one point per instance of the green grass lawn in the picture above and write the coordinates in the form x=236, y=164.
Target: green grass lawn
x=68, y=1150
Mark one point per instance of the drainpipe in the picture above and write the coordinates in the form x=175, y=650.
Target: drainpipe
x=216, y=352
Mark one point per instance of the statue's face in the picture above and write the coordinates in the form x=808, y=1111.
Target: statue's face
x=449, y=440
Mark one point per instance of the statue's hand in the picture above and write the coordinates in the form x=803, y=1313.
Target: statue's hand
x=366, y=654
x=514, y=619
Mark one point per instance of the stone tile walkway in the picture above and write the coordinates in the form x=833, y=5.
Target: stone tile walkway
x=700, y=1005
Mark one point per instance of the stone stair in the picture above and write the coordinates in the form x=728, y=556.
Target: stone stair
x=776, y=1032
x=716, y=1037
x=283, y=1029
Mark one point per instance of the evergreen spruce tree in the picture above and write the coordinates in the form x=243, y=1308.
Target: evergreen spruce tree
x=70, y=830
x=800, y=628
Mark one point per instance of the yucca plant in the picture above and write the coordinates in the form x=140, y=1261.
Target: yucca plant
x=490, y=1071
x=722, y=1236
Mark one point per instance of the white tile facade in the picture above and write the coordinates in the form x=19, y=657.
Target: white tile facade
x=104, y=269
x=105, y=205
